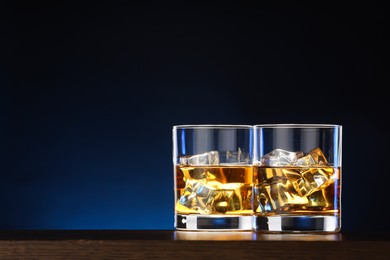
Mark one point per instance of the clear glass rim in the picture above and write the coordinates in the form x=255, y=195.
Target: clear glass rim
x=297, y=126
x=212, y=126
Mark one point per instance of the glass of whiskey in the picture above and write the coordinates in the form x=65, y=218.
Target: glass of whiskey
x=297, y=177
x=213, y=177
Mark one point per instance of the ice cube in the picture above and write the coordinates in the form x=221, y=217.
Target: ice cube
x=282, y=197
x=183, y=160
x=195, y=195
x=313, y=180
x=280, y=157
x=199, y=173
x=270, y=175
x=318, y=200
x=237, y=156
x=262, y=200
x=307, y=160
x=314, y=158
x=208, y=158
x=218, y=201
x=224, y=198
x=318, y=156
x=276, y=197
x=211, y=197
x=291, y=174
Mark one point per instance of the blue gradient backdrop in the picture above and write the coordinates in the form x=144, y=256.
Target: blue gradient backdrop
x=90, y=92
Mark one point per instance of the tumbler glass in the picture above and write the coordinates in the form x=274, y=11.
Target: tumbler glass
x=297, y=177
x=213, y=177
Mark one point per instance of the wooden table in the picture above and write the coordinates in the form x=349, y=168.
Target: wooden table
x=169, y=244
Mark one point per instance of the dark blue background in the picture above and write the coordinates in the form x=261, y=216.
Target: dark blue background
x=90, y=93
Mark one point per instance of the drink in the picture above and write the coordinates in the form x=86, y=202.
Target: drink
x=213, y=177
x=297, y=191
x=297, y=178
x=221, y=190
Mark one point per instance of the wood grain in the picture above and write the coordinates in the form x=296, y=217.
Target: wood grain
x=165, y=245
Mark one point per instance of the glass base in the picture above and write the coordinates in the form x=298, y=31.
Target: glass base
x=308, y=223
x=213, y=223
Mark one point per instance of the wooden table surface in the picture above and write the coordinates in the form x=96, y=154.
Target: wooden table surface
x=169, y=244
